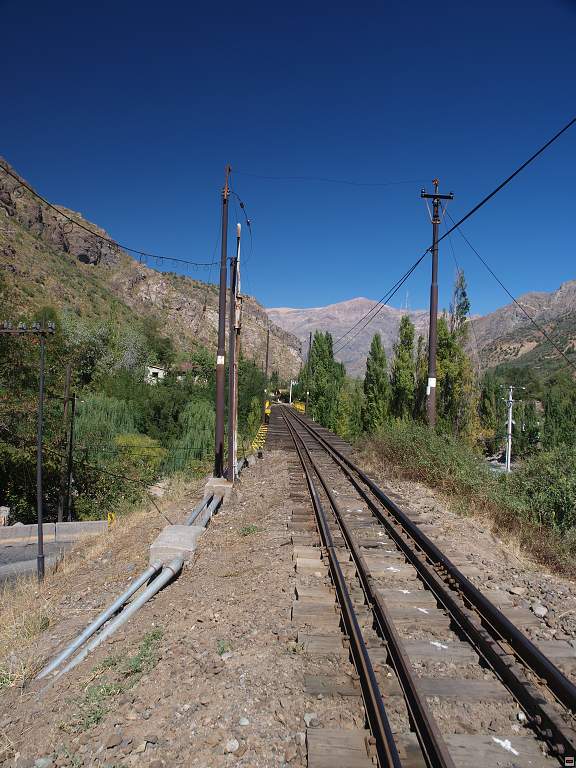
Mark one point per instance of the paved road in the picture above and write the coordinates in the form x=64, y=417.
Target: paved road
x=21, y=558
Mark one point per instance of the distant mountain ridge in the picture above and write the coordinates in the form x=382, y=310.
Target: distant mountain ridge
x=503, y=336
x=47, y=260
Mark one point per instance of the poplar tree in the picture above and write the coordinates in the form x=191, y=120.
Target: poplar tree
x=376, y=388
x=403, y=376
x=459, y=306
x=324, y=378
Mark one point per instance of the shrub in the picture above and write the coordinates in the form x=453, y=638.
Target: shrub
x=546, y=486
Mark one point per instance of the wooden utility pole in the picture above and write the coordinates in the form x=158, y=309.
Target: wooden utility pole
x=61, y=495
x=233, y=353
x=266, y=375
x=221, y=351
x=433, y=332
x=308, y=371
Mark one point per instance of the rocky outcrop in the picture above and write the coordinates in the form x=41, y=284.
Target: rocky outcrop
x=18, y=204
x=505, y=335
x=60, y=253
x=338, y=318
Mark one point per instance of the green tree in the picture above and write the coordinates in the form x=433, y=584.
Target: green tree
x=349, y=409
x=323, y=377
x=196, y=439
x=456, y=391
x=376, y=388
x=459, y=306
x=254, y=418
x=403, y=375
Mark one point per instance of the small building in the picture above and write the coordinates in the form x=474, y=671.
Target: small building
x=154, y=374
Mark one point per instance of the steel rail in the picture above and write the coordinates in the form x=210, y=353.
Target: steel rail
x=433, y=746
x=378, y=719
x=541, y=716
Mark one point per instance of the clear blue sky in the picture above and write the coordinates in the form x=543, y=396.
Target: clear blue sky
x=129, y=111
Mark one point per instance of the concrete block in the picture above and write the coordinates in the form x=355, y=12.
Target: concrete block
x=218, y=486
x=23, y=533
x=175, y=541
x=77, y=530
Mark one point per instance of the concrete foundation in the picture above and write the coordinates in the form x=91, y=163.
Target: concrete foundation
x=219, y=487
x=175, y=541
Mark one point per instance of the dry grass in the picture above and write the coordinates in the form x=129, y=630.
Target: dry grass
x=28, y=609
x=468, y=488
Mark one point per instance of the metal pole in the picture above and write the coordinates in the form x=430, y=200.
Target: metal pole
x=266, y=375
x=61, y=495
x=509, y=403
x=68, y=505
x=232, y=392
x=40, y=556
x=433, y=331
x=221, y=351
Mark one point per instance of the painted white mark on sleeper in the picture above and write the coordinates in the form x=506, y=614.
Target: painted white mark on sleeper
x=394, y=570
x=506, y=744
x=405, y=591
x=422, y=610
x=436, y=644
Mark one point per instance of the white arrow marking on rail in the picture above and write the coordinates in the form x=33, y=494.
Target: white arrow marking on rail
x=506, y=744
x=438, y=645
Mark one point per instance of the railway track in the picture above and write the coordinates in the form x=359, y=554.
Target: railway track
x=430, y=650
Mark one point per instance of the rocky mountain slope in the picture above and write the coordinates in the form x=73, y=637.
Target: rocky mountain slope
x=503, y=336
x=338, y=318
x=508, y=336
x=48, y=260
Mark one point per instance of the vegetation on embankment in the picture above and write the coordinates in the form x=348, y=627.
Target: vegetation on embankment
x=94, y=569
x=130, y=431
x=536, y=505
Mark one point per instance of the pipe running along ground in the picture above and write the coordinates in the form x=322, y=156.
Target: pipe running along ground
x=210, y=504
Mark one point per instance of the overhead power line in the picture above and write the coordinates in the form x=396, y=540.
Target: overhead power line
x=470, y=213
x=326, y=180
x=74, y=222
x=516, y=302
x=379, y=306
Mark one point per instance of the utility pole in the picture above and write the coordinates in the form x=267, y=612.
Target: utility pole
x=266, y=375
x=292, y=382
x=233, y=344
x=308, y=371
x=433, y=332
x=221, y=351
x=509, y=424
x=61, y=499
x=42, y=331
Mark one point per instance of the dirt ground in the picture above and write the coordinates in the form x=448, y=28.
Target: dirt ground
x=502, y=564
x=209, y=673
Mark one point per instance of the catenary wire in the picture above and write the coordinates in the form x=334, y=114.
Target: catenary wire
x=470, y=213
x=71, y=220
x=516, y=302
x=328, y=180
x=382, y=303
